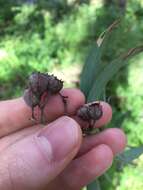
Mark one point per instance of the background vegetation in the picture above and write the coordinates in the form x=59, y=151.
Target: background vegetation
x=55, y=36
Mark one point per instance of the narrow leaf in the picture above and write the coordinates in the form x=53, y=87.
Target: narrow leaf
x=95, y=185
x=129, y=155
x=107, y=177
x=109, y=71
x=93, y=64
x=104, y=35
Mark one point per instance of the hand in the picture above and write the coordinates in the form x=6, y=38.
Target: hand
x=56, y=156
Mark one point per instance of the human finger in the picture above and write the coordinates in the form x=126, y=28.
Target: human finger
x=113, y=137
x=84, y=169
x=34, y=161
x=87, y=144
x=15, y=114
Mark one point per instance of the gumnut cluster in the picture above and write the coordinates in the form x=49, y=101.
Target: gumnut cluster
x=90, y=112
x=40, y=87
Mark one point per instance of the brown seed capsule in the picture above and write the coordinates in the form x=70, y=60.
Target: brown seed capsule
x=90, y=112
x=38, y=85
x=54, y=84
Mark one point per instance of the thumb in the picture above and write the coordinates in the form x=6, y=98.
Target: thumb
x=37, y=159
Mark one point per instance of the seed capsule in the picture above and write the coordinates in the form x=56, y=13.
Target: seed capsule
x=90, y=112
x=38, y=85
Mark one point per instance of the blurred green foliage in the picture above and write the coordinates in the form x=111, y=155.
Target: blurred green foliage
x=48, y=34
x=33, y=40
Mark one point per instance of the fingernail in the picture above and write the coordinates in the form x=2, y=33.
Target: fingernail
x=63, y=136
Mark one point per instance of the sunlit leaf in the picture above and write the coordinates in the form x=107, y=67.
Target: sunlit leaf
x=104, y=35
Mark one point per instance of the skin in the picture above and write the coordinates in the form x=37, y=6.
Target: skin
x=56, y=156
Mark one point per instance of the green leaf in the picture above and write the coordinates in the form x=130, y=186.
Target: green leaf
x=109, y=71
x=128, y=156
x=104, y=35
x=93, y=65
x=107, y=178
x=95, y=185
